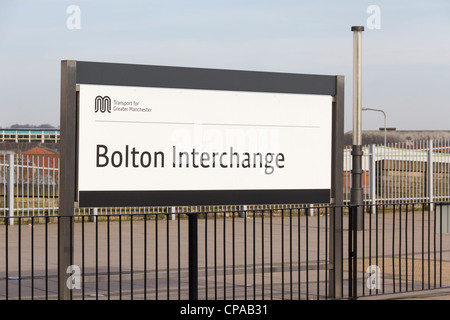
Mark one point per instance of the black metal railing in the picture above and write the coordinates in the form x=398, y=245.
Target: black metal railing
x=406, y=245
x=266, y=254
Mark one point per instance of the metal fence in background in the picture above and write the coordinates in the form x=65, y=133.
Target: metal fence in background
x=29, y=185
x=402, y=172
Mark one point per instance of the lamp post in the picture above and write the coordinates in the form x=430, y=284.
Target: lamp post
x=356, y=192
x=384, y=114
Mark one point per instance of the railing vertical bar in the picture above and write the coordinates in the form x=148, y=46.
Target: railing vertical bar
x=245, y=255
x=363, y=216
x=83, y=266
x=215, y=255
x=19, y=219
x=131, y=257
x=71, y=254
x=355, y=254
x=326, y=252
x=318, y=254
x=120, y=255
x=96, y=258
x=32, y=258
x=46, y=255
x=440, y=246
x=370, y=243
x=156, y=257
x=341, y=241
x=234, y=253
x=262, y=255
x=206, y=254
x=224, y=257
x=7, y=258
x=271, y=254
x=429, y=246
x=299, y=258
x=412, y=245
x=282, y=254
x=383, y=245
x=254, y=255
x=168, y=255
x=400, y=247
x=179, y=253
x=307, y=254
x=108, y=252
x=59, y=258
x=350, y=250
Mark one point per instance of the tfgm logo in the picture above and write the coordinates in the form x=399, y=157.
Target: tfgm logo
x=103, y=104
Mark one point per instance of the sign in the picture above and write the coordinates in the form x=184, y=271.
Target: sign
x=171, y=144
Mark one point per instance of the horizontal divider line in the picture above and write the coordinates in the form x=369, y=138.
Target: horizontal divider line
x=210, y=124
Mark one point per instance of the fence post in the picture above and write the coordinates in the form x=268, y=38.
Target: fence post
x=335, y=254
x=430, y=174
x=243, y=211
x=10, y=187
x=171, y=211
x=68, y=116
x=372, y=177
x=310, y=209
x=93, y=214
x=193, y=256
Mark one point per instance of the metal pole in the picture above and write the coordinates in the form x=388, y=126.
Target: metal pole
x=335, y=254
x=68, y=118
x=193, y=256
x=356, y=192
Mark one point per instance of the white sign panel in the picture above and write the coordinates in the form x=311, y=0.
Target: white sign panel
x=140, y=139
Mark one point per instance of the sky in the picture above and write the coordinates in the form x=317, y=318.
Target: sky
x=406, y=48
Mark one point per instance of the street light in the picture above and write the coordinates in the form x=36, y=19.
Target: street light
x=384, y=114
x=356, y=191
